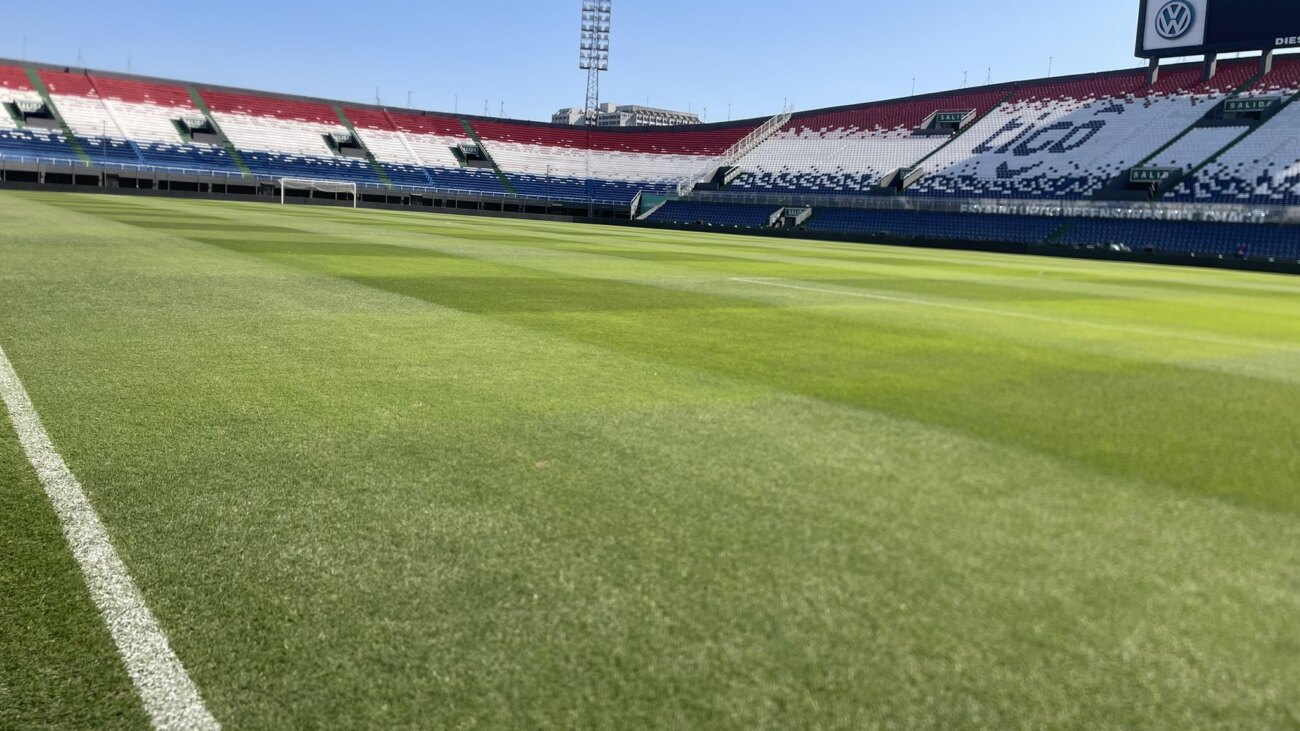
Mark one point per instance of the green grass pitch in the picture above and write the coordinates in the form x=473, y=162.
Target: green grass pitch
x=397, y=470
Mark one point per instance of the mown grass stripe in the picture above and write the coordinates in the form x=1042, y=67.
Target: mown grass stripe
x=168, y=694
x=1235, y=342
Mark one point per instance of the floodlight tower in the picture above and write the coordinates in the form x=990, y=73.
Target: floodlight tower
x=594, y=55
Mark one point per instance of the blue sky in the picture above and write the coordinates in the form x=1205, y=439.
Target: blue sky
x=697, y=54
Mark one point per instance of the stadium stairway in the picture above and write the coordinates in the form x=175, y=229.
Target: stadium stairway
x=1190, y=175
x=1117, y=189
x=487, y=154
x=225, y=141
x=1011, y=92
x=725, y=168
x=406, y=144
x=1056, y=236
x=108, y=108
x=39, y=85
x=648, y=203
x=872, y=149
x=370, y=156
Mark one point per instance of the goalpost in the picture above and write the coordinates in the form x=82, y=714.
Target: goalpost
x=318, y=186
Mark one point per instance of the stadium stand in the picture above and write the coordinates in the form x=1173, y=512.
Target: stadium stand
x=934, y=226
x=849, y=150
x=94, y=124
x=1058, y=139
x=1264, y=167
x=19, y=143
x=1069, y=139
x=1283, y=79
x=1191, y=149
x=280, y=137
x=557, y=161
x=13, y=82
x=1225, y=240
x=149, y=113
x=15, y=140
x=715, y=214
x=115, y=121
x=1204, y=239
x=1066, y=139
x=406, y=151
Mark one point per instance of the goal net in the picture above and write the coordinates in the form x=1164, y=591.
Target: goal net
x=334, y=187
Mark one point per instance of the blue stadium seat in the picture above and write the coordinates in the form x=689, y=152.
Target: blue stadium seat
x=715, y=214
x=939, y=226
x=1201, y=239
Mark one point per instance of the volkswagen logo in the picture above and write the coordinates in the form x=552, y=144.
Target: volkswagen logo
x=1175, y=19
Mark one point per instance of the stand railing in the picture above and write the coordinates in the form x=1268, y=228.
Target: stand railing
x=236, y=177
x=741, y=148
x=1124, y=210
x=108, y=165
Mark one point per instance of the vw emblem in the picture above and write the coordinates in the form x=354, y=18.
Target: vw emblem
x=1175, y=19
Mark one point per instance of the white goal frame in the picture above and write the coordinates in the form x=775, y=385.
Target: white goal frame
x=323, y=186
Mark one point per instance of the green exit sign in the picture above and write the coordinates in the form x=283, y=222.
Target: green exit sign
x=1250, y=105
x=1151, y=175
x=950, y=117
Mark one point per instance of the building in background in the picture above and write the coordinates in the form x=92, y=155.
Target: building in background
x=627, y=115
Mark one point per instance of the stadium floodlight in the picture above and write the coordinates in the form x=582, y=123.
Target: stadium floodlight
x=594, y=54
x=314, y=186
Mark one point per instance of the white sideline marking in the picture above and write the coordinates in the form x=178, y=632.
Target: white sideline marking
x=1022, y=315
x=168, y=694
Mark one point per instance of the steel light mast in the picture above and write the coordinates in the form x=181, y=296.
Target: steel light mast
x=594, y=55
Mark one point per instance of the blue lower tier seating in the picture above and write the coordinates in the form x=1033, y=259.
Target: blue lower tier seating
x=913, y=224
x=407, y=175
x=51, y=146
x=199, y=158
x=1202, y=239
x=715, y=214
x=466, y=180
x=35, y=143
x=296, y=166
x=622, y=191
x=535, y=186
x=104, y=149
x=576, y=189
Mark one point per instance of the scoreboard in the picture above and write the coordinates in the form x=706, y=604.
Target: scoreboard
x=1199, y=27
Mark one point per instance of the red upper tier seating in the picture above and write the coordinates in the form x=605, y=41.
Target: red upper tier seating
x=1116, y=85
x=269, y=106
x=369, y=119
x=907, y=114
x=142, y=92
x=689, y=141
x=421, y=124
x=1187, y=78
x=66, y=84
x=1284, y=79
x=12, y=77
